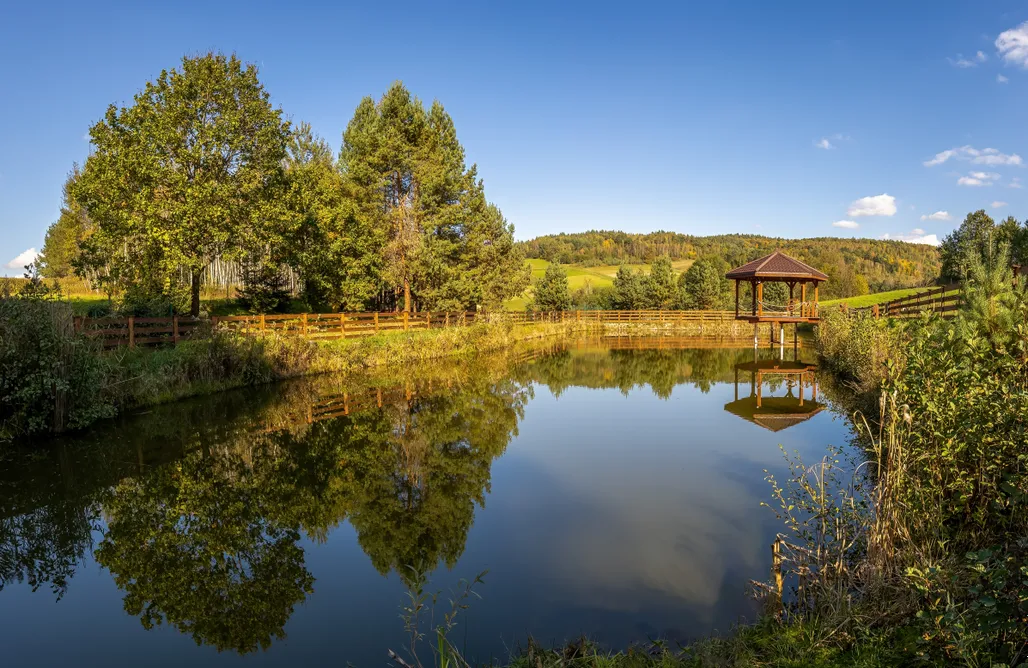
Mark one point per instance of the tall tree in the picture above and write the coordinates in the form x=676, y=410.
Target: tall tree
x=61, y=246
x=443, y=243
x=551, y=293
x=185, y=174
x=971, y=239
x=324, y=238
x=628, y=292
x=661, y=290
x=703, y=285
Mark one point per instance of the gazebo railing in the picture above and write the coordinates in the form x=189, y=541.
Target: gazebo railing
x=792, y=309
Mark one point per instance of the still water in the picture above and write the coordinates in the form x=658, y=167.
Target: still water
x=611, y=487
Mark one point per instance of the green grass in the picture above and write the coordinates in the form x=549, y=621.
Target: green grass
x=599, y=277
x=875, y=298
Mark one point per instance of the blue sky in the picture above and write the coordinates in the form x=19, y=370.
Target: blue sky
x=704, y=118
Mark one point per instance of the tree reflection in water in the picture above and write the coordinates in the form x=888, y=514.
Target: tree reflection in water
x=204, y=503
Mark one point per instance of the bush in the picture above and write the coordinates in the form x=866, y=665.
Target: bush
x=50, y=379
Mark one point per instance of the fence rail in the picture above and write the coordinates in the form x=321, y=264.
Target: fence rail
x=944, y=300
x=133, y=331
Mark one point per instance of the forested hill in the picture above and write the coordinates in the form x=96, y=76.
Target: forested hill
x=884, y=265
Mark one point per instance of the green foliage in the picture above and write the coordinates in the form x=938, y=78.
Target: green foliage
x=629, y=291
x=264, y=287
x=704, y=286
x=551, y=293
x=858, y=347
x=990, y=300
x=660, y=286
x=969, y=240
x=50, y=379
x=153, y=216
x=61, y=246
x=444, y=246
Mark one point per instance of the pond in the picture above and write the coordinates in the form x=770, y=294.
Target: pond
x=610, y=487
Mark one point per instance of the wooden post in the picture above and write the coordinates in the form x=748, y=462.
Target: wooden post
x=803, y=299
x=76, y=324
x=874, y=310
x=446, y=322
x=813, y=311
x=174, y=329
x=760, y=386
x=132, y=331
x=303, y=323
x=342, y=325
x=760, y=298
x=406, y=316
x=376, y=322
x=428, y=320
x=737, y=298
x=264, y=325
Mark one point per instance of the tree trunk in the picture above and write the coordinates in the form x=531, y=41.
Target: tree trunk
x=194, y=305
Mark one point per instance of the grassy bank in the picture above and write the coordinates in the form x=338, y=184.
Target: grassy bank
x=55, y=381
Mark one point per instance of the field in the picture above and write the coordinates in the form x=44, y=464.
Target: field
x=578, y=277
x=872, y=299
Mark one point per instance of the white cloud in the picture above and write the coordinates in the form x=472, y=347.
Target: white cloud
x=1013, y=45
x=938, y=215
x=1001, y=79
x=916, y=236
x=28, y=257
x=978, y=179
x=824, y=143
x=973, y=61
x=876, y=205
x=984, y=156
x=1015, y=183
x=846, y=224
x=998, y=205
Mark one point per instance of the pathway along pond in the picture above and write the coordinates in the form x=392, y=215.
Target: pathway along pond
x=611, y=487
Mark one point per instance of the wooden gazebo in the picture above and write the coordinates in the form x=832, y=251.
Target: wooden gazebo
x=777, y=268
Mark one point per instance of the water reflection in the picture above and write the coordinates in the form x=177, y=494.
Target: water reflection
x=204, y=512
x=768, y=411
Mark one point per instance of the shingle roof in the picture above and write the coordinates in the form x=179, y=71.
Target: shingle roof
x=777, y=265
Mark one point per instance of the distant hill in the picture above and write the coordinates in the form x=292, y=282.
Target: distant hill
x=854, y=266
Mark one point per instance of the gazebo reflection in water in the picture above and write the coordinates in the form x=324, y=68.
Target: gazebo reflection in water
x=772, y=412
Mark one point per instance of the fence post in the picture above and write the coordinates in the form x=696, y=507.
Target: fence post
x=446, y=322
x=406, y=317
x=428, y=320
x=174, y=329
x=76, y=324
x=874, y=310
x=132, y=331
x=342, y=325
x=303, y=323
x=376, y=322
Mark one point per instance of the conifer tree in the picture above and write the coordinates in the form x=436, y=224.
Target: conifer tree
x=552, y=293
x=660, y=287
x=61, y=246
x=444, y=246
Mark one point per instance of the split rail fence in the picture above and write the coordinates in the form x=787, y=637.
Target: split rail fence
x=132, y=331
x=944, y=300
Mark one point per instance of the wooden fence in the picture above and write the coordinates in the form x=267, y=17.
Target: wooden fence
x=944, y=300
x=132, y=331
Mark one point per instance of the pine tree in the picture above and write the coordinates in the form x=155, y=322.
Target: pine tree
x=958, y=248
x=628, y=292
x=444, y=246
x=61, y=246
x=552, y=293
x=704, y=286
x=661, y=290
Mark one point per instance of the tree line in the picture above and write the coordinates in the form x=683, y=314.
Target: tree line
x=854, y=266
x=201, y=168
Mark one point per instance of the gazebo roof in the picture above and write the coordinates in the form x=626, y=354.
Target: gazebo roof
x=775, y=413
x=777, y=265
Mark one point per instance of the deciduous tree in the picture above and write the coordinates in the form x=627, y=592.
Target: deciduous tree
x=184, y=175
